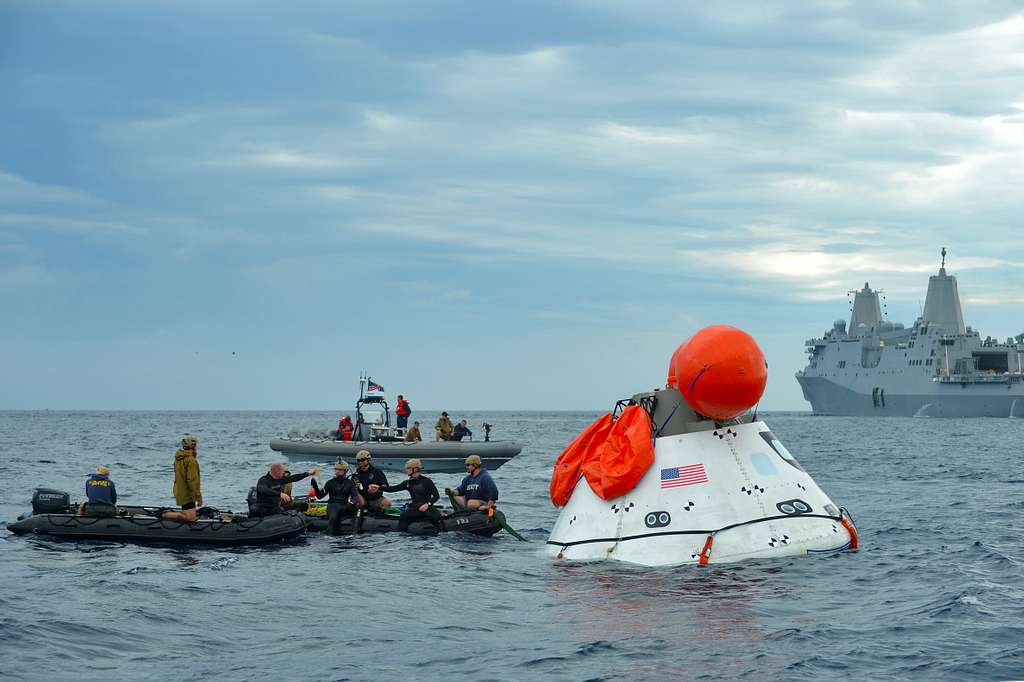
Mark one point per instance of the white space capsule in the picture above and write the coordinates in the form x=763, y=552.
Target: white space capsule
x=717, y=491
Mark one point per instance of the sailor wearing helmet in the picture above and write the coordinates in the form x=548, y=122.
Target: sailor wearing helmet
x=423, y=493
x=477, y=489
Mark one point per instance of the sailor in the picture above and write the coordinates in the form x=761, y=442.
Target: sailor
x=402, y=411
x=345, y=428
x=423, y=493
x=413, y=435
x=371, y=479
x=101, y=495
x=443, y=427
x=461, y=431
x=343, y=497
x=268, y=490
x=186, y=481
x=477, y=490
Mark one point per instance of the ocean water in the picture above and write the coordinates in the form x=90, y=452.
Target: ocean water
x=936, y=592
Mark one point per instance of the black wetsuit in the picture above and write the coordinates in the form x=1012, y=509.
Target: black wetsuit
x=344, y=493
x=422, y=491
x=268, y=493
x=371, y=475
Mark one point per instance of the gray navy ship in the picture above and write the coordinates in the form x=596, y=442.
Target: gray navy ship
x=935, y=368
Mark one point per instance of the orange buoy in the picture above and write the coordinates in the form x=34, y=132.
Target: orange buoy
x=672, y=382
x=720, y=371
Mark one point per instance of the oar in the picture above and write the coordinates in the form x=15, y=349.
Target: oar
x=501, y=520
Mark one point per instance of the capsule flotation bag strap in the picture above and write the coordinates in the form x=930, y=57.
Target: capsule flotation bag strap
x=624, y=457
x=569, y=464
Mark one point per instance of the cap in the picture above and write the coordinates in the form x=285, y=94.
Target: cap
x=413, y=464
x=362, y=454
x=102, y=470
x=473, y=459
x=444, y=414
x=189, y=442
x=342, y=465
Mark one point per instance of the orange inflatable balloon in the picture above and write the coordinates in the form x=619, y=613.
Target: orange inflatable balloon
x=721, y=371
x=672, y=382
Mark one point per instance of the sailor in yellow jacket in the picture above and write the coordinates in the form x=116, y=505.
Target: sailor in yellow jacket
x=186, y=481
x=443, y=427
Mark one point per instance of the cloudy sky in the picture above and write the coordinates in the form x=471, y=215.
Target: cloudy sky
x=241, y=204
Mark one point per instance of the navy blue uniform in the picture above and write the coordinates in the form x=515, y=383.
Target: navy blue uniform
x=100, y=490
x=461, y=432
x=101, y=495
x=480, y=487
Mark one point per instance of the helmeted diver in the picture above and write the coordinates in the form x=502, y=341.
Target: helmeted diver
x=687, y=475
x=939, y=367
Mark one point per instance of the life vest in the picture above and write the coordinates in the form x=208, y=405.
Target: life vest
x=624, y=457
x=403, y=408
x=569, y=463
x=346, y=433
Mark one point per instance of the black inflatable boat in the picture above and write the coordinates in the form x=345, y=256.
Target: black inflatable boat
x=475, y=522
x=52, y=516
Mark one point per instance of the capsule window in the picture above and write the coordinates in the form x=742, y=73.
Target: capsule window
x=780, y=449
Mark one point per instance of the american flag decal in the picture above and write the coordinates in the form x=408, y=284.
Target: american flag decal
x=677, y=477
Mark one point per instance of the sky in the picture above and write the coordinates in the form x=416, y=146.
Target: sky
x=239, y=204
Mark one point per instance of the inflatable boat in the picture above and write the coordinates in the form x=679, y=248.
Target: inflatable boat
x=445, y=457
x=474, y=522
x=374, y=432
x=52, y=516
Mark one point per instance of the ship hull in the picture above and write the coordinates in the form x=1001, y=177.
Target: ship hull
x=948, y=400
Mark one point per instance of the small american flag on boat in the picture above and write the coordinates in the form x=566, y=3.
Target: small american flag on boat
x=677, y=477
x=372, y=385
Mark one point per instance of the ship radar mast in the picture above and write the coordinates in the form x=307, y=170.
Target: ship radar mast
x=942, y=302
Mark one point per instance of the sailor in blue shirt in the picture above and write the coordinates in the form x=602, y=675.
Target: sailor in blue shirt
x=101, y=495
x=478, y=489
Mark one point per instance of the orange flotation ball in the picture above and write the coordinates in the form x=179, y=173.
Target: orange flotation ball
x=568, y=466
x=721, y=371
x=672, y=382
x=624, y=457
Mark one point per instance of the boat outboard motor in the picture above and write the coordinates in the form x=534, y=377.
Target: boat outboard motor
x=251, y=499
x=487, y=432
x=50, y=501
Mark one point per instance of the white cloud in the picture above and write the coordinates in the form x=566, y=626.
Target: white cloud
x=27, y=221
x=17, y=190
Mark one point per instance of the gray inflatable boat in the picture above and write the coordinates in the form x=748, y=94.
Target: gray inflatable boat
x=437, y=457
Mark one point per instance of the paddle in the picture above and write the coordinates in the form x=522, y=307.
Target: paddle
x=501, y=520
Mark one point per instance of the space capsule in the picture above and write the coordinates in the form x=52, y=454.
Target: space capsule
x=688, y=475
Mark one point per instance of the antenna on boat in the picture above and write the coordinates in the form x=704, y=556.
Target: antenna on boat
x=943, y=266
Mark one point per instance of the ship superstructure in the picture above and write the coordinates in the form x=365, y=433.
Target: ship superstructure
x=938, y=367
